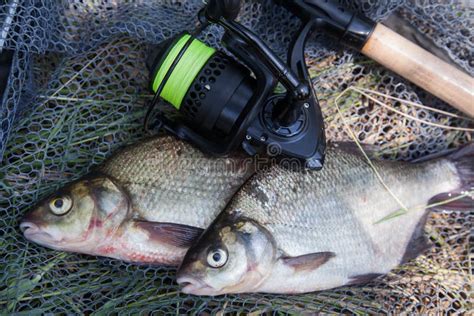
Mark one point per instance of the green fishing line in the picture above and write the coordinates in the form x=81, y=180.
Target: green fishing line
x=183, y=75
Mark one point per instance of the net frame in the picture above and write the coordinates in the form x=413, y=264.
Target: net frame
x=78, y=89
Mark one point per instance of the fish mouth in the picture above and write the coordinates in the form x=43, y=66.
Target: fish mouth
x=32, y=232
x=195, y=287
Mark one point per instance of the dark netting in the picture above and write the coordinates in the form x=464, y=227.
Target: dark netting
x=78, y=90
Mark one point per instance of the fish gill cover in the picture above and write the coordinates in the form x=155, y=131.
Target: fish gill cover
x=78, y=90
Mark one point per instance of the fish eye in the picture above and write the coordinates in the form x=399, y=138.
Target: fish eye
x=217, y=258
x=60, y=205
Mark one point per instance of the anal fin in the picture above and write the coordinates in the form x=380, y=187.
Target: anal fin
x=363, y=278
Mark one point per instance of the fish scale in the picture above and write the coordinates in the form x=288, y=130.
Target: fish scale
x=320, y=201
x=164, y=173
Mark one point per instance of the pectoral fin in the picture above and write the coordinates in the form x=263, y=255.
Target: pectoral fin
x=307, y=262
x=169, y=233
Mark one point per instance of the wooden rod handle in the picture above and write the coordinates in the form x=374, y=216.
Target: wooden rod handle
x=422, y=68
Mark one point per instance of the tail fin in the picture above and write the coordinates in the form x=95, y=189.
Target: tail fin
x=463, y=197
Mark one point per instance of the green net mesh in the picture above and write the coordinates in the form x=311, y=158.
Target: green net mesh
x=78, y=90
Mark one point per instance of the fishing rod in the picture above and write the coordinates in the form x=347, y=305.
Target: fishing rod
x=223, y=102
x=389, y=49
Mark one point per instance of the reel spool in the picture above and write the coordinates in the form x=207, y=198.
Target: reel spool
x=209, y=89
x=224, y=104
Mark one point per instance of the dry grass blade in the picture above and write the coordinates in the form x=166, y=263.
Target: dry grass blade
x=408, y=115
x=413, y=104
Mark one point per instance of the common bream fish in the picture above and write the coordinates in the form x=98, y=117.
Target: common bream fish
x=295, y=232
x=145, y=204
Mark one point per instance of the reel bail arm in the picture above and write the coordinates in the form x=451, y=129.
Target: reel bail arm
x=282, y=72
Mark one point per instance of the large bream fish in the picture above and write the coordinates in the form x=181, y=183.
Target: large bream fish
x=295, y=232
x=145, y=204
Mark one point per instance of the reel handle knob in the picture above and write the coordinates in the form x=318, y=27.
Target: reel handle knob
x=227, y=9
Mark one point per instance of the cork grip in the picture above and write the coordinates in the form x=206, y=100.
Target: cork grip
x=422, y=68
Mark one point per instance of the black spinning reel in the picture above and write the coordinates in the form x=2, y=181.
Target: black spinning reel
x=223, y=102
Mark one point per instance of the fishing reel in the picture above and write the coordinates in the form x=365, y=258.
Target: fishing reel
x=225, y=101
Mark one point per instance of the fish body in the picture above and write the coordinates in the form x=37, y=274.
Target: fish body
x=145, y=204
x=296, y=232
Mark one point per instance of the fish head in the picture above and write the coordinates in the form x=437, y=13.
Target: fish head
x=232, y=256
x=78, y=217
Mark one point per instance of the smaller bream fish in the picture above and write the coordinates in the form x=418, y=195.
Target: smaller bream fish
x=296, y=232
x=145, y=204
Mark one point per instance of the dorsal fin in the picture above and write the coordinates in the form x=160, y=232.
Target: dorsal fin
x=352, y=148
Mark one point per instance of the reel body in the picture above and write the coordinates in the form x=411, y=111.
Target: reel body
x=224, y=104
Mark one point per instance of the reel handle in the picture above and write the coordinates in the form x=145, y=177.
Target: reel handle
x=294, y=121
